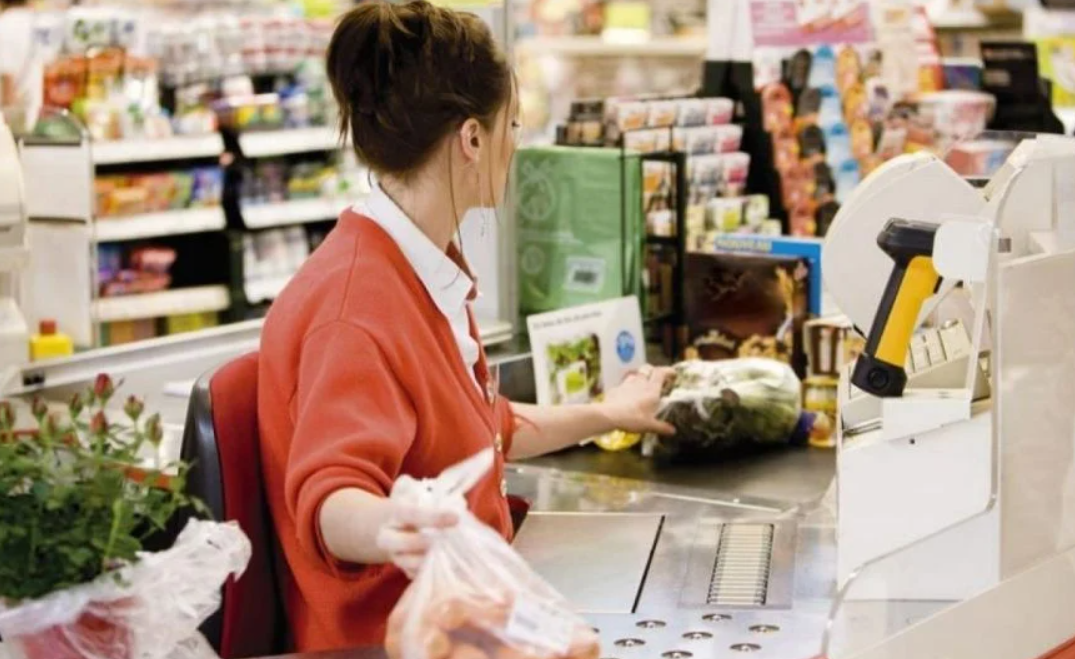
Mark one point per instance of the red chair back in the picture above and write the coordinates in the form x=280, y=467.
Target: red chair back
x=221, y=439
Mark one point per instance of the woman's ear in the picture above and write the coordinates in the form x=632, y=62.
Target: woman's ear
x=471, y=141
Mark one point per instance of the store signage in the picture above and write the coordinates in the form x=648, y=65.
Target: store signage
x=801, y=23
x=581, y=352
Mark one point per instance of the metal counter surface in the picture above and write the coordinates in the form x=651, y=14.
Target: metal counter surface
x=670, y=617
x=663, y=618
x=793, y=475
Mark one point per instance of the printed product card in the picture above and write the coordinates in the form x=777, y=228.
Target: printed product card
x=579, y=353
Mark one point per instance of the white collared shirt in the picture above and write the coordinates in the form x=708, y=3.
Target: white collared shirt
x=445, y=281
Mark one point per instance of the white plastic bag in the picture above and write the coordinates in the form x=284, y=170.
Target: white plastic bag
x=148, y=610
x=473, y=596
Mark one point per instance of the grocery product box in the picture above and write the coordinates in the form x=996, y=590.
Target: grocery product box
x=831, y=344
x=746, y=305
x=190, y=322
x=128, y=331
x=580, y=227
x=808, y=249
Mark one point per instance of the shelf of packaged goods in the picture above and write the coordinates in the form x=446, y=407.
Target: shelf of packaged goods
x=297, y=211
x=668, y=241
x=164, y=223
x=589, y=46
x=200, y=299
x=262, y=144
x=265, y=289
x=156, y=150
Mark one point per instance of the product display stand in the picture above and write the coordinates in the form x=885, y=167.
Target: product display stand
x=670, y=323
x=60, y=282
x=735, y=80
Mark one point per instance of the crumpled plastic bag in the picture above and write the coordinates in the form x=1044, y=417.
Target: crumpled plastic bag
x=150, y=609
x=474, y=597
x=720, y=407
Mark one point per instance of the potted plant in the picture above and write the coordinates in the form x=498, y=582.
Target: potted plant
x=79, y=495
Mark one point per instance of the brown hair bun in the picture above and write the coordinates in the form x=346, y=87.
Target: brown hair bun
x=406, y=75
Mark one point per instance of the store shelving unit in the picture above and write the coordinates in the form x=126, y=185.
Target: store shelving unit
x=207, y=274
x=266, y=289
x=155, y=225
x=594, y=46
x=125, y=152
x=672, y=322
x=199, y=299
x=291, y=212
x=288, y=141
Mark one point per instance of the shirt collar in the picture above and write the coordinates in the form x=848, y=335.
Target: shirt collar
x=445, y=275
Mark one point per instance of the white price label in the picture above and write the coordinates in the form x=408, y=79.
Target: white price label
x=540, y=625
x=586, y=275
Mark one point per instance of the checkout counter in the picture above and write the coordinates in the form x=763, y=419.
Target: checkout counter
x=633, y=546
x=956, y=528
x=687, y=562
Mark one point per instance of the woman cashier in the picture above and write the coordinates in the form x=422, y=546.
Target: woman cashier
x=371, y=366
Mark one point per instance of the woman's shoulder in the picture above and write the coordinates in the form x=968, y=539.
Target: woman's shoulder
x=354, y=276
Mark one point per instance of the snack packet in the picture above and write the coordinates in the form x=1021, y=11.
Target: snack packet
x=474, y=597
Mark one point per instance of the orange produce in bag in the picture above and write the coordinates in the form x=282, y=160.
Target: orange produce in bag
x=474, y=597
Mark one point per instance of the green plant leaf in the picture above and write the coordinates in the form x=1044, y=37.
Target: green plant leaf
x=68, y=513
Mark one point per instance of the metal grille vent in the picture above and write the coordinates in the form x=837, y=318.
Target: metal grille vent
x=744, y=562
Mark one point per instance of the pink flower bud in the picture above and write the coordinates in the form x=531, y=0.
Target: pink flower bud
x=75, y=406
x=103, y=387
x=39, y=408
x=99, y=424
x=133, y=408
x=50, y=427
x=154, y=430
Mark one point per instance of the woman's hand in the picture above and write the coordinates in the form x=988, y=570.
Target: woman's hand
x=632, y=406
x=401, y=538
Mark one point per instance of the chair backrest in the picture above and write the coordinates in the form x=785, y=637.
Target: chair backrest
x=221, y=439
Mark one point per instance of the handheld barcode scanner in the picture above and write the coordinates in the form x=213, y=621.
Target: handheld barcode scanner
x=880, y=368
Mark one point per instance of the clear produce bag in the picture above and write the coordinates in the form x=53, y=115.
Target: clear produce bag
x=721, y=407
x=474, y=597
x=148, y=610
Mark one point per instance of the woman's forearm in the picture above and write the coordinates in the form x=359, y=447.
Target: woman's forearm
x=350, y=520
x=544, y=429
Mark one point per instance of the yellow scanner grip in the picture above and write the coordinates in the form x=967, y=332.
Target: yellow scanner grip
x=914, y=280
x=919, y=282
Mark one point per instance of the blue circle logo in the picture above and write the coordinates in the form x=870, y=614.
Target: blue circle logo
x=625, y=346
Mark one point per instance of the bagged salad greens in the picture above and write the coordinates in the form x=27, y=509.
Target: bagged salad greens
x=722, y=407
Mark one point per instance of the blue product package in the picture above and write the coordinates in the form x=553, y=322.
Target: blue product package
x=823, y=68
x=838, y=145
x=808, y=249
x=208, y=186
x=847, y=177
x=962, y=74
x=109, y=261
x=831, y=112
